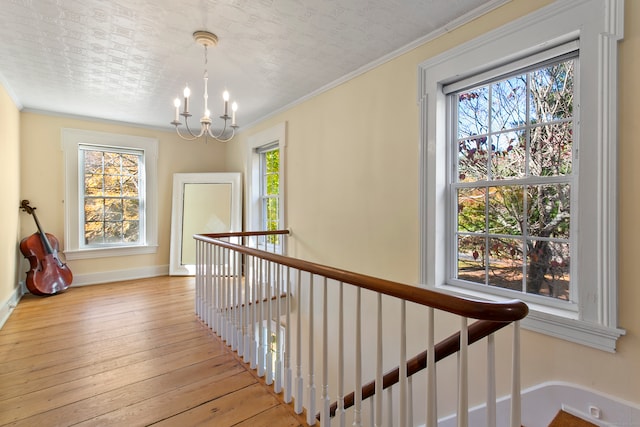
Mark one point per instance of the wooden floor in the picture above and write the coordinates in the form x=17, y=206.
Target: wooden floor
x=126, y=354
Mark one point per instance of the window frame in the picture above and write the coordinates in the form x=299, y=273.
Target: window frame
x=274, y=137
x=82, y=194
x=72, y=140
x=598, y=25
x=548, y=56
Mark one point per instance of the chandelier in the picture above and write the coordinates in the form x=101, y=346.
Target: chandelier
x=205, y=39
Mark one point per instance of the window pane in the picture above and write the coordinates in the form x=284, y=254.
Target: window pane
x=473, y=112
x=505, y=263
x=508, y=155
x=471, y=259
x=93, y=185
x=473, y=156
x=273, y=161
x=93, y=232
x=548, y=269
x=131, y=231
x=129, y=186
x=113, y=232
x=506, y=210
x=471, y=209
x=93, y=161
x=552, y=92
x=551, y=150
x=131, y=209
x=112, y=163
x=93, y=210
x=130, y=165
x=548, y=210
x=509, y=103
x=112, y=186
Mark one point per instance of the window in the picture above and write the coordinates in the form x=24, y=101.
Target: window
x=270, y=190
x=110, y=194
x=518, y=169
x=265, y=182
x=512, y=172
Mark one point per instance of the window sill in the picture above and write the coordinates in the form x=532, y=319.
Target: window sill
x=109, y=252
x=563, y=324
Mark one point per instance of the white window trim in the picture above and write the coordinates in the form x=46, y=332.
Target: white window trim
x=599, y=26
x=71, y=140
x=271, y=136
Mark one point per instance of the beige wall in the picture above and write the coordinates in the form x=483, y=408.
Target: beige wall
x=352, y=194
x=10, y=184
x=42, y=181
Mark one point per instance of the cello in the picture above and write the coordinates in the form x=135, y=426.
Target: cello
x=48, y=274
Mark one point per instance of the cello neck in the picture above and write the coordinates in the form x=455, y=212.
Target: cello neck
x=32, y=211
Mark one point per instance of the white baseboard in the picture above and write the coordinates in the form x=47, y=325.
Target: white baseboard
x=119, y=275
x=541, y=403
x=7, y=306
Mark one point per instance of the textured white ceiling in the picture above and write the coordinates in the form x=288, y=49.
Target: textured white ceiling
x=126, y=60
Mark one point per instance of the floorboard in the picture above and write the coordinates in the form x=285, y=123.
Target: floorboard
x=126, y=354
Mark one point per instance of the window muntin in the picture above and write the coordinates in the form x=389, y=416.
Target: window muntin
x=112, y=196
x=513, y=169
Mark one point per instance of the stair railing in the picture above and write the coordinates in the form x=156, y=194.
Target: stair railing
x=246, y=290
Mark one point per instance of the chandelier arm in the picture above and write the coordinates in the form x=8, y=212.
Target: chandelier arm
x=194, y=137
x=186, y=124
x=219, y=138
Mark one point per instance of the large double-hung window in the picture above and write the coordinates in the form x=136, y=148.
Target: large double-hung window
x=270, y=189
x=110, y=194
x=518, y=169
x=512, y=169
x=113, y=195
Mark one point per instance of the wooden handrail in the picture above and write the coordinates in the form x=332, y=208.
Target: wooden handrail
x=503, y=311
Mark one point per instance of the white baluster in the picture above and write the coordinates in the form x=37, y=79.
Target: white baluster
x=357, y=401
x=254, y=314
x=326, y=421
x=299, y=380
x=340, y=411
x=287, y=343
x=248, y=304
x=491, y=381
x=432, y=407
x=198, y=277
x=389, y=417
x=402, y=409
x=463, y=378
x=262, y=346
x=410, y=401
x=268, y=346
x=277, y=380
x=378, y=396
x=516, y=406
x=239, y=305
x=311, y=407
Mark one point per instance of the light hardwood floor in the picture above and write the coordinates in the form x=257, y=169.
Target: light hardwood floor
x=126, y=354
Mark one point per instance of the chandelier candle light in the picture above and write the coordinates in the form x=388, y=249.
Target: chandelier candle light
x=205, y=39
